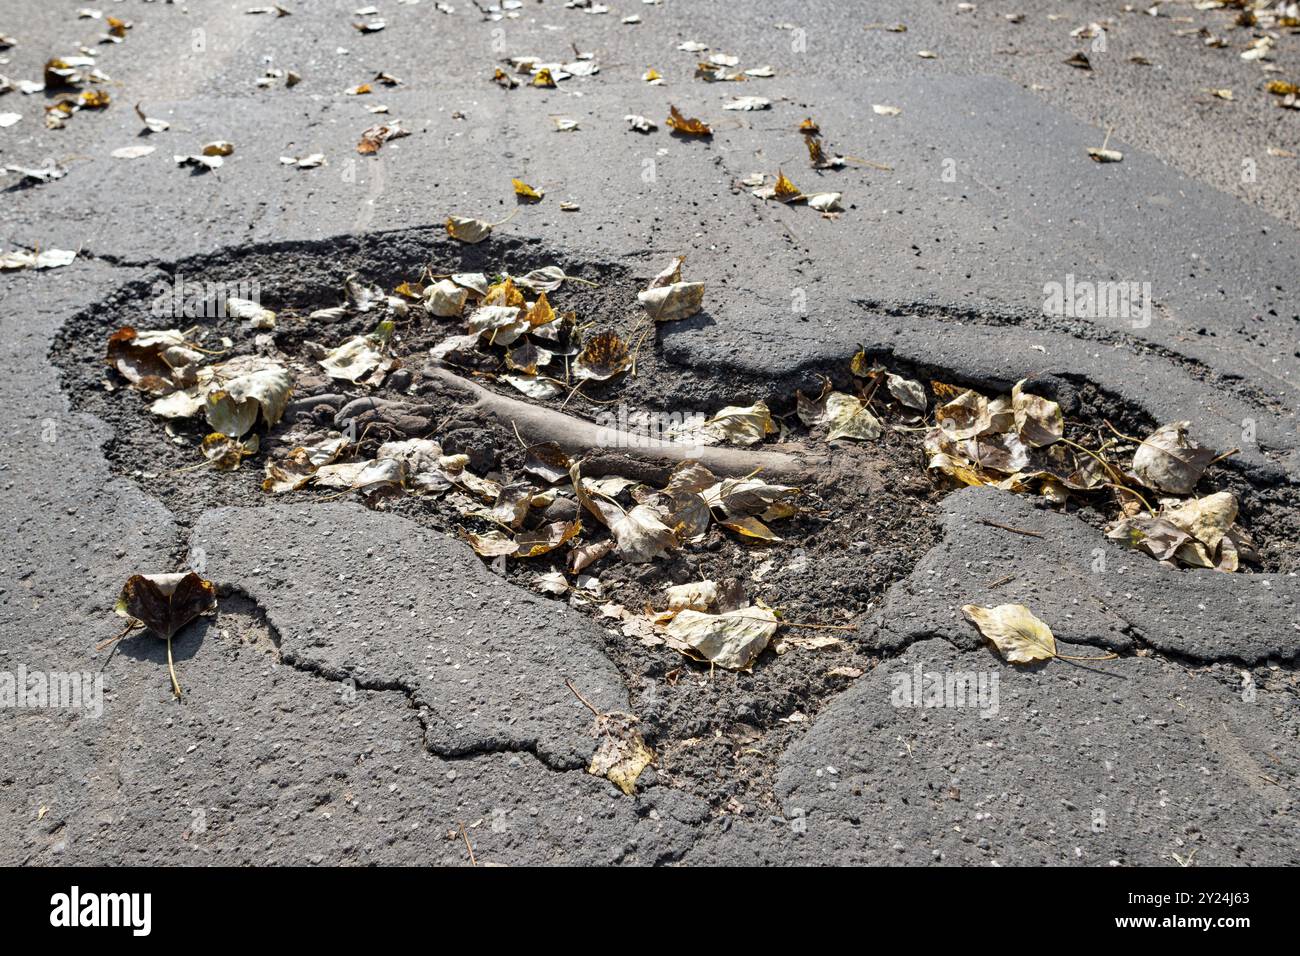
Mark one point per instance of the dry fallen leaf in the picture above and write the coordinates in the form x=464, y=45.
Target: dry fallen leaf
x=1205, y=519
x=310, y=161
x=639, y=534
x=297, y=468
x=131, y=152
x=844, y=414
x=151, y=124
x=226, y=453
x=376, y=136
x=603, y=356
x=469, y=231
x=199, y=162
x=1019, y=637
x=687, y=127
x=165, y=603
x=668, y=299
x=243, y=390
x=353, y=359
x=152, y=361
x=1169, y=460
x=552, y=582
x=740, y=425
x=748, y=103
x=965, y=416
x=445, y=299
x=784, y=190
x=525, y=191
x=732, y=640
x=1038, y=420
x=45, y=259
x=622, y=752
x=1100, y=155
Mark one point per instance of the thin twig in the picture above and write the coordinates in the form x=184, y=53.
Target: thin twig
x=465, y=836
x=1006, y=527
x=127, y=630
x=1146, y=504
x=636, y=350
x=572, y=393
x=1110, y=469
x=569, y=684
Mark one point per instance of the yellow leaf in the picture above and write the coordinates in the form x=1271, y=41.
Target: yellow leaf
x=956, y=468
x=468, y=230
x=541, y=313
x=622, y=753
x=525, y=191
x=687, y=127
x=225, y=453
x=504, y=293
x=750, y=527
x=1019, y=637
x=784, y=190
x=815, y=154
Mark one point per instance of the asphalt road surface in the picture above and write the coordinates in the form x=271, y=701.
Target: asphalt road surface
x=368, y=685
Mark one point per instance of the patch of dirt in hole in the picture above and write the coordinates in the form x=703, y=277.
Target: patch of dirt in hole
x=294, y=282
x=718, y=734
x=241, y=624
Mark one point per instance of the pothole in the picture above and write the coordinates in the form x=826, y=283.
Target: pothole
x=861, y=521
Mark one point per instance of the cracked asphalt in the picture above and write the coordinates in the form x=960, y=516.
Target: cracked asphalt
x=368, y=686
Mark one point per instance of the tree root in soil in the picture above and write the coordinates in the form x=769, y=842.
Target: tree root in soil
x=577, y=436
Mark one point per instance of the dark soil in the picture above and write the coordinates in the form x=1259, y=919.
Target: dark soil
x=864, y=523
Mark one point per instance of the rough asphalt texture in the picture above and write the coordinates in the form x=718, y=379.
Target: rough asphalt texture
x=415, y=690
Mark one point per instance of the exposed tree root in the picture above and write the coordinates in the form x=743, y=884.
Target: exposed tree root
x=577, y=436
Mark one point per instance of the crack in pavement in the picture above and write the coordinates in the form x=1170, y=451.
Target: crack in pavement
x=421, y=709
x=344, y=587
x=1085, y=331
